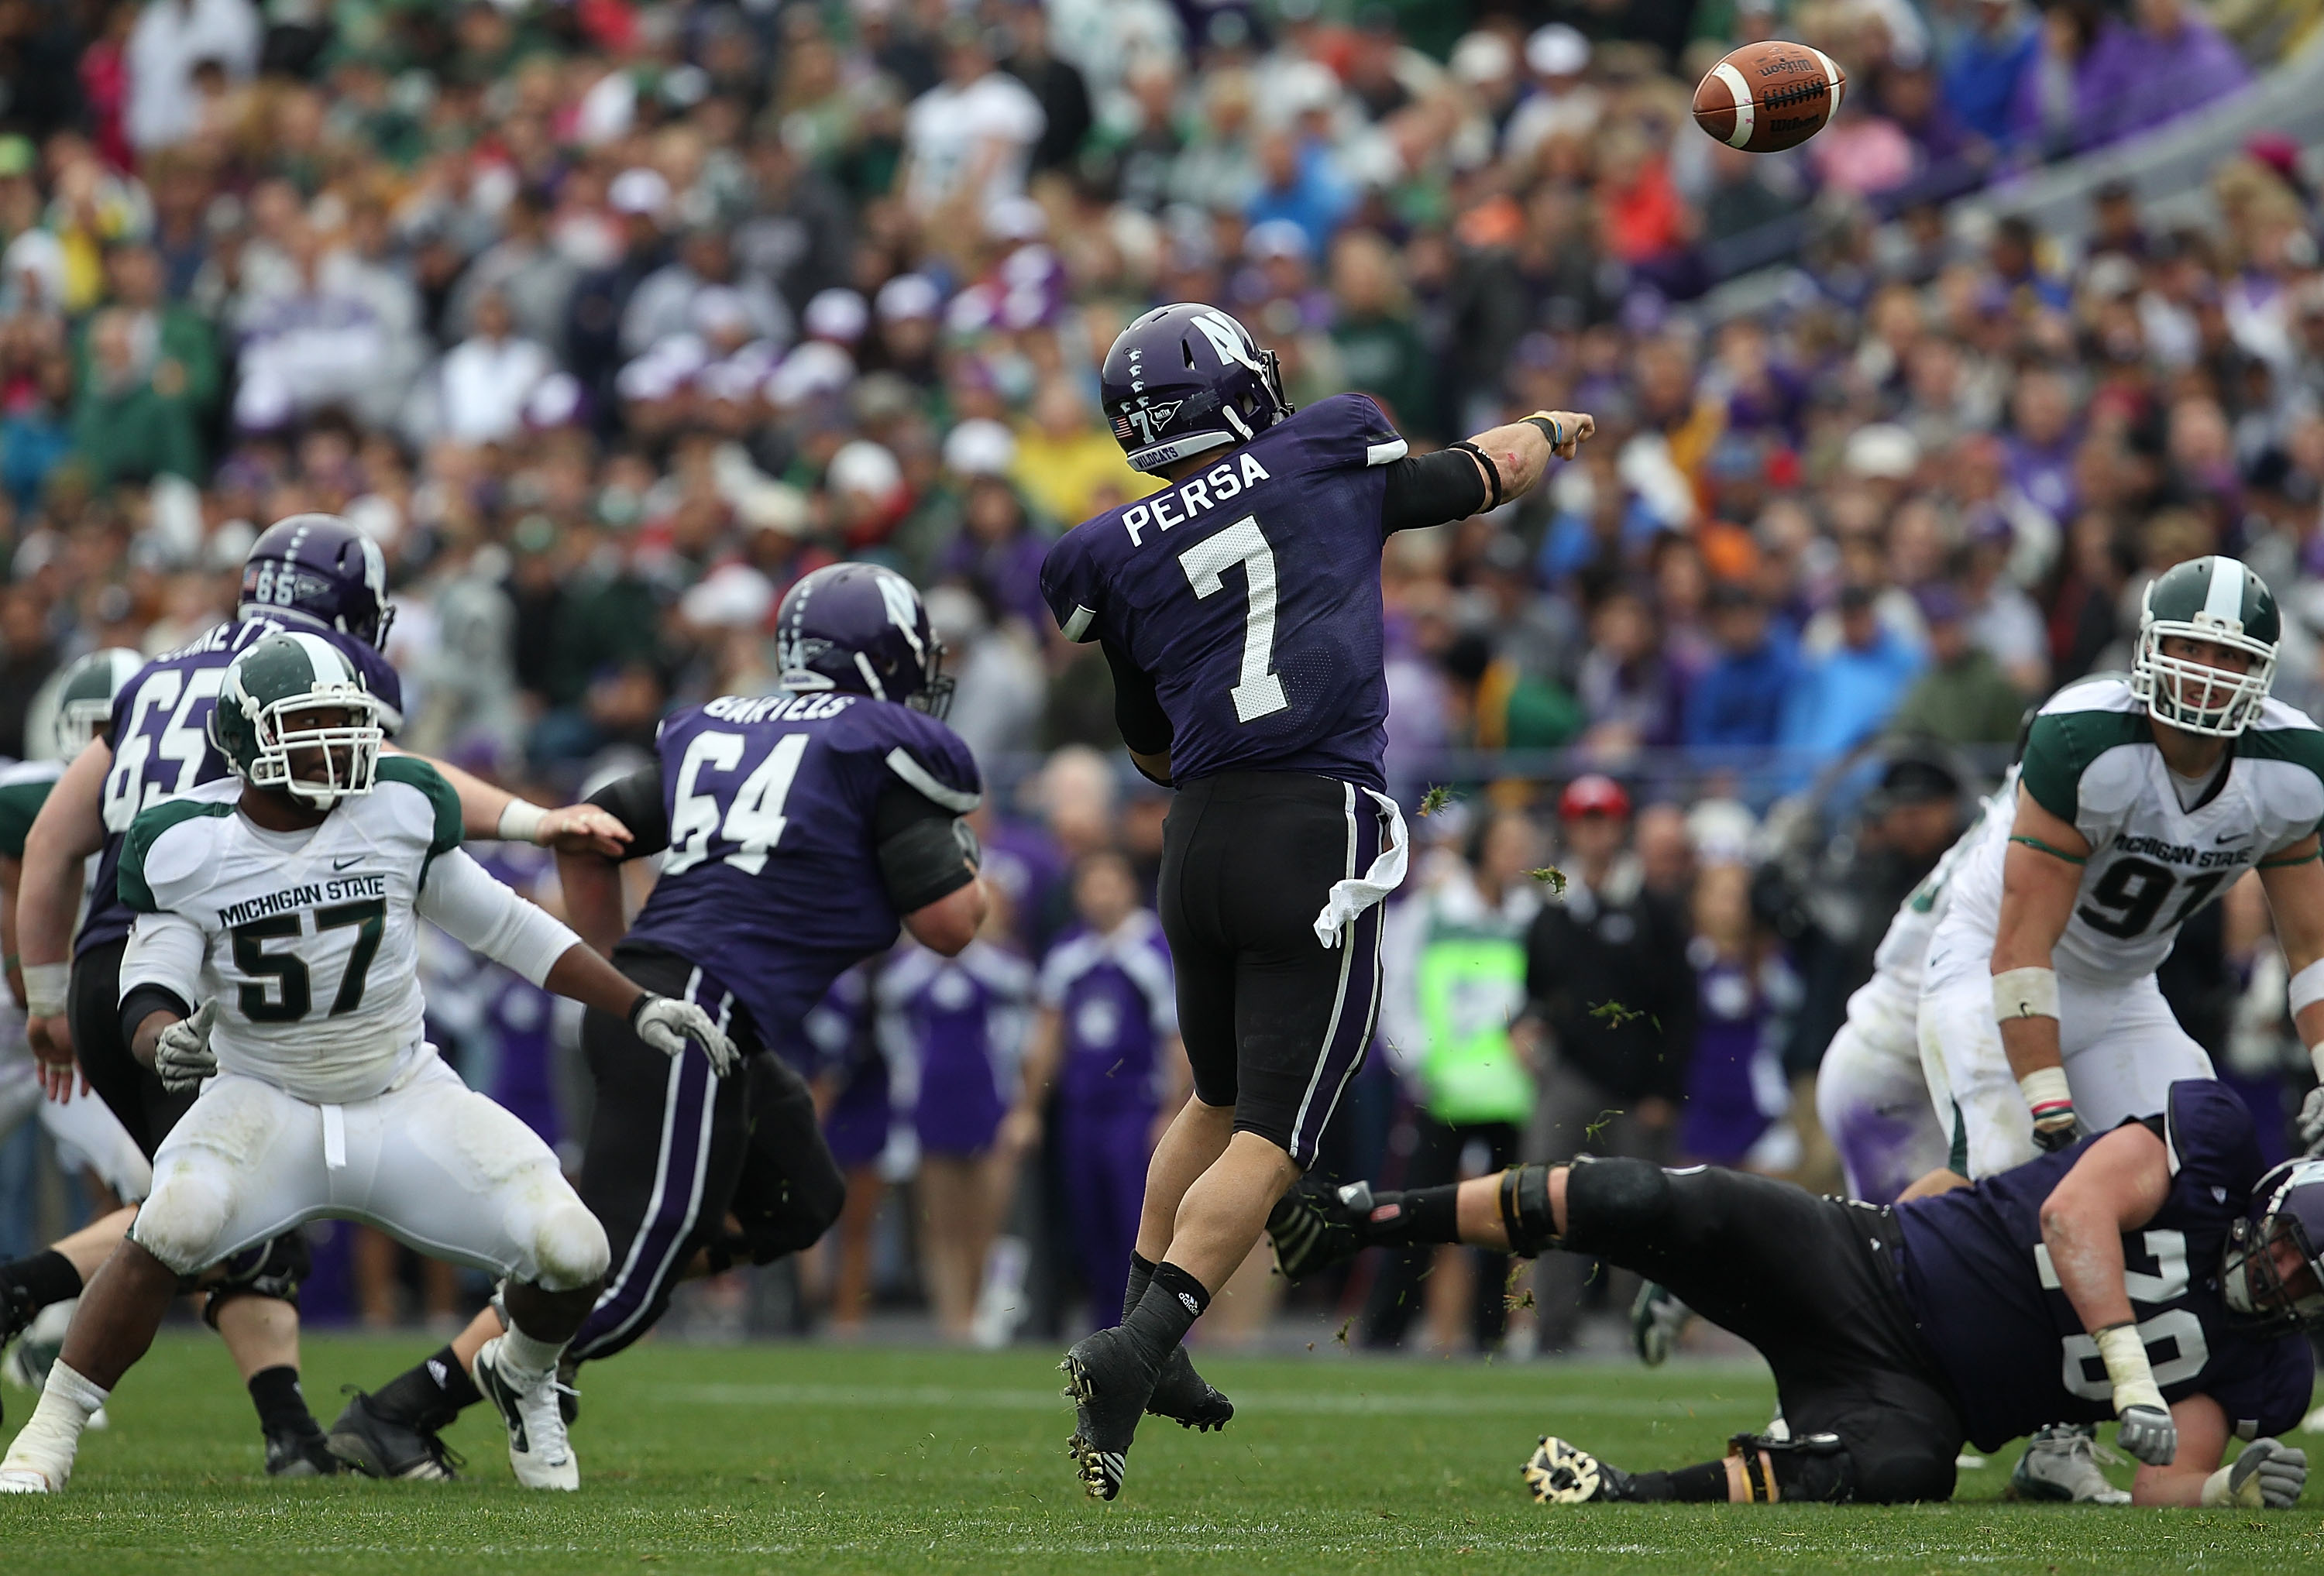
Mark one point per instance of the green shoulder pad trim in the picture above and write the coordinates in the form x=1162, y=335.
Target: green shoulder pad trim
x=451, y=829
x=143, y=833
x=2060, y=747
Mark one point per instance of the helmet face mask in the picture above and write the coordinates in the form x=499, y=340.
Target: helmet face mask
x=2214, y=602
x=293, y=718
x=2271, y=1277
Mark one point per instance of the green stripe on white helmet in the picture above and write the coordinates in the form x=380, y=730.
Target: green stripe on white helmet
x=2218, y=601
x=265, y=716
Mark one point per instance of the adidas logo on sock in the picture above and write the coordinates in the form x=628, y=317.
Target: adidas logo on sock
x=1192, y=1306
x=439, y=1372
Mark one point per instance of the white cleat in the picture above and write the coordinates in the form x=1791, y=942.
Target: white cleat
x=25, y=1481
x=538, y=1451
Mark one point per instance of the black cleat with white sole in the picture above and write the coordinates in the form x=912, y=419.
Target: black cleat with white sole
x=1565, y=1474
x=1317, y=1225
x=381, y=1447
x=300, y=1452
x=1109, y=1386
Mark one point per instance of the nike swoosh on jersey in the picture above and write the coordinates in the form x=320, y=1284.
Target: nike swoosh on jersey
x=2222, y=841
x=339, y=864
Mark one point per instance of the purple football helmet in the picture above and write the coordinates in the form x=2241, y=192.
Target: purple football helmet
x=863, y=628
x=2272, y=1274
x=319, y=570
x=1187, y=378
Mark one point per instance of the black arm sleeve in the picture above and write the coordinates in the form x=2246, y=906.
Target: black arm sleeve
x=635, y=801
x=1137, y=710
x=1430, y=489
x=925, y=851
x=143, y=1003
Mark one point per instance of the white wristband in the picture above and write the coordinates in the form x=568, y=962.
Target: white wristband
x=2026, y=993
x=2316, y=1059
x=46, y=986
x=2123, y=1351
x=521, y=822
x=2306, y=988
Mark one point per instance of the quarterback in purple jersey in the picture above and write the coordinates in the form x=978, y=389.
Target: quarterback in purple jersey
x=804, y=829
x=2156, y=1274
x=1240, y=610
x=309, y=573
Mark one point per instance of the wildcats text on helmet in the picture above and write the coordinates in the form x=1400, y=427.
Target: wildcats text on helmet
x=1226, y=479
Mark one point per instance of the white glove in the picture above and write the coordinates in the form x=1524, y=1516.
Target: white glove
x=2268, y=1476
x=181, y=1054
x=2311, y=1122
x=667, y=1025
x=2149, y=1433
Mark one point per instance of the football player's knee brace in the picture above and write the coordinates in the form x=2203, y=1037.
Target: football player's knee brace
x=809, y=1206
x=1813, y=1468
x=275, y=1269
x=1609, y=1203
x=181, y=1223
x=1525, y=1214
x=569, y=1248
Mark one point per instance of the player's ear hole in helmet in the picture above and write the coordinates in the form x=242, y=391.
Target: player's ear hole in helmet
x=2271, y=1274
x=2221, y=604
x=861, y=629
x=293, y=716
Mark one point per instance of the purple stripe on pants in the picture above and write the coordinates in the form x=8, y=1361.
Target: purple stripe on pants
x=1358, y=1004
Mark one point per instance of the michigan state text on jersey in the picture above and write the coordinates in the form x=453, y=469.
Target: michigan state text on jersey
x=2152, y=1273
x=2140, y=801
x=1240, y=610
x=803, y=829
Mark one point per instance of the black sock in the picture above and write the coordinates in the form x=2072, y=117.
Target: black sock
x=429, y=1396
x=1704, y=1482
x=44, y=1277
x=1409, y=1219
x=281, y=1403
x=1142, y=1276
x=1174, y=1301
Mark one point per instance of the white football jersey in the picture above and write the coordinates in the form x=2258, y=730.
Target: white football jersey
x=1904, y=948
x=306, y=941
x=2092, y=759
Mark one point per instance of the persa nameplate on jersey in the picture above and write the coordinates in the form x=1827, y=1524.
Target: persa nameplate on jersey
x=302, y=896
x=1194, y=496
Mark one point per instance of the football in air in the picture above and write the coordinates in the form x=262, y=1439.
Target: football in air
x=1767, y=96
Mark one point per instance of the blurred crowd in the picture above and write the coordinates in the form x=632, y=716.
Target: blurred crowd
x=609, y=319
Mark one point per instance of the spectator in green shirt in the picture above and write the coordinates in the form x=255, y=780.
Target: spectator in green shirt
x=1380, y=351
x=133, y=422
x=1962, y=697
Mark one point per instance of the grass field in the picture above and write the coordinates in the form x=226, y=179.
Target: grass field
x=816, y=1459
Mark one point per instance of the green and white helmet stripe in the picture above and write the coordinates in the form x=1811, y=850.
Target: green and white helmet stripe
x=2220, y=602
x=261, y=718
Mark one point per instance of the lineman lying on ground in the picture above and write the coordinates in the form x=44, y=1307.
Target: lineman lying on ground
x=2152, y=1273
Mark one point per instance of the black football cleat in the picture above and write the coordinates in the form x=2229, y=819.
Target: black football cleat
x=381, y=1447
x=300, y=1452
x=1317, y=1225
x=1109, y=1388
x=1186, y=1397
x=1565, y=1474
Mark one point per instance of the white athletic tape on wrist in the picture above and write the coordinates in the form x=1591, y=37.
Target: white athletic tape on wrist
x=2316, y=1059
x=521, y=822
x=2123, y=1351
x=2026, y=993
x=2046, y=1092
x=2216, y=1494
x=46, y=988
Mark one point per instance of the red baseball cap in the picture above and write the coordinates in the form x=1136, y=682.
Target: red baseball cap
x=1594, y=795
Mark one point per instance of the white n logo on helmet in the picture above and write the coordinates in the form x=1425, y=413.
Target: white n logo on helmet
x=1225, y=338
x=903, y=605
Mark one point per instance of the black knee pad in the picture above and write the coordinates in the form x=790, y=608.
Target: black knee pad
x=275, y=1269
x=1525, y=1211
x=809, y=1206
x=1814, y=1469
x=1608, y=1202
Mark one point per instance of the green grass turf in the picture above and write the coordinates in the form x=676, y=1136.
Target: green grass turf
x=820, y=1459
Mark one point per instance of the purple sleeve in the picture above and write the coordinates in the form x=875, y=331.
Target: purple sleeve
x=932, y=758
x=1065, y=586
x=1349, y=430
